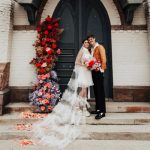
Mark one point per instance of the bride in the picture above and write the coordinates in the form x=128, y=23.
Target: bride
x=61, y=127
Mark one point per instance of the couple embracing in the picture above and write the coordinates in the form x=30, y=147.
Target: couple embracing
x=61, y=127
x=92, y=75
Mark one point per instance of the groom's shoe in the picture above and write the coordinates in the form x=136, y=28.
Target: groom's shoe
x=99, y=115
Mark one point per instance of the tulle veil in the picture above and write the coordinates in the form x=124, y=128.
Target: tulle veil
x=62, y=126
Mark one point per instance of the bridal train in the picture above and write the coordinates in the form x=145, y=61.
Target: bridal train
x=62, y=126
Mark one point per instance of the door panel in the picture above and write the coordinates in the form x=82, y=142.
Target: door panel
x=67, y=22
x=80, y=18
x=94, y=25
x=65, y=64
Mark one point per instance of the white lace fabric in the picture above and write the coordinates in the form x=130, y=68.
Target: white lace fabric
x=62, y=126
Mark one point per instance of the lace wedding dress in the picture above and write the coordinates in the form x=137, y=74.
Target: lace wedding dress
x=61, y=127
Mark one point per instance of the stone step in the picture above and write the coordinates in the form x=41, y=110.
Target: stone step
x=115, y=107
x=90, y=132
x=110, y=119
x=83, y=145
x=125, y=107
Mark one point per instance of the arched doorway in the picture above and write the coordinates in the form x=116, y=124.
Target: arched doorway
x=80, y=18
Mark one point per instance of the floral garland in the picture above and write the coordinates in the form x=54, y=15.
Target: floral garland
x=46, y=89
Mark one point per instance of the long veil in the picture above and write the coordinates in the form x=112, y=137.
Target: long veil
x=61, y=127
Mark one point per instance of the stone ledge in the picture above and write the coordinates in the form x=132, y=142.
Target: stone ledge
x=111, y=107
x=131, y=93
x=4, y=99
x=120, y=93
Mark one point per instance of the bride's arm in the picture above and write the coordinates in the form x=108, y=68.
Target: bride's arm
x=78, y=58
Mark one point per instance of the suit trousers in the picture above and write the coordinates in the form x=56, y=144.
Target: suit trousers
x=98, y=80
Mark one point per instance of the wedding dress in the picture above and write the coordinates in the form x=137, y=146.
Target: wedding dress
x=61, y=126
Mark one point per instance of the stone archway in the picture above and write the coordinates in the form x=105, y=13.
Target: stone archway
x=78, y=21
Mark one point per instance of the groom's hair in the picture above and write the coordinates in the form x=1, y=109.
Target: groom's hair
x=91, y=36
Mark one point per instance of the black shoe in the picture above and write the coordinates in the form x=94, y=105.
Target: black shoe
x=100, y=115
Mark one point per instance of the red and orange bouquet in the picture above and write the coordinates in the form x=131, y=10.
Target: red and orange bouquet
x=91, y=63
x=46, y=89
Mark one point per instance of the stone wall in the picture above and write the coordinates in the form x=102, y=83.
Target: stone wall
x=130, y=49
x=6, y=22
x=131, y=58
x=6, y=29
x=148, y=20
x=22, y=73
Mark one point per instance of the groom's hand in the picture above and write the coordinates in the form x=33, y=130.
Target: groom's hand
x=101, y=70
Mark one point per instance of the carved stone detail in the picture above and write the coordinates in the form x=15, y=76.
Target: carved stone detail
x=4, y=75
x=128, y=8
x=32, y=8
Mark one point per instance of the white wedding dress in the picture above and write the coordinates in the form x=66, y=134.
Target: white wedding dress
x=61, y=126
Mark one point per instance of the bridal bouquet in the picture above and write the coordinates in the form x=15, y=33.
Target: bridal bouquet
x=91, y=63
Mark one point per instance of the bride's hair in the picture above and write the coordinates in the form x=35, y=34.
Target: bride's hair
x=83, y=40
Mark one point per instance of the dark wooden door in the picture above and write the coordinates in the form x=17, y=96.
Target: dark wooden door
x=80, y=18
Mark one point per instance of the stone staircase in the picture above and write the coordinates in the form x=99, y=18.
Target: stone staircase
x=125, y=127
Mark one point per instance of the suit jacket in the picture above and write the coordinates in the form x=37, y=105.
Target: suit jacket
x=100, y=55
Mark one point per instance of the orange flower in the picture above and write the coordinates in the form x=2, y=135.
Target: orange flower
x=48, y=96
x=50, y=107
x=25, y=142
x=42, y=108
x=45, y=101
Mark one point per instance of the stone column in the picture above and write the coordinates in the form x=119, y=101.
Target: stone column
x=148, y=21
x=6, y=30
x=146, y=4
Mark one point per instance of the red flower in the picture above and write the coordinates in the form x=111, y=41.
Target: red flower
x=51, y=40
x=91, y=63
x=49, y=52
x=46, y=32
x=48, y=60
x=38, y=29
x=38, y=65
x=58, y=52
x=47, y=39
x=54, y=46
x=49, y=27
x=43, y=43
x=48, y=18
x=56, y=25
x=41, y=71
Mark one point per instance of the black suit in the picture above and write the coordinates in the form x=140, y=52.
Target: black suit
x=98, y=79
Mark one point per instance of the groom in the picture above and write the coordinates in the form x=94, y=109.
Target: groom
x=98, y=51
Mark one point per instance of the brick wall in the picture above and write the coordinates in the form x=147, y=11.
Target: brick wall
x=6, y=22
x=20, y=15
x=139, y=16
x=22, y=73
x=131, y=58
